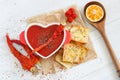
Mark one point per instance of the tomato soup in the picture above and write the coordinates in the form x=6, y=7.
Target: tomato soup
x=37, y=36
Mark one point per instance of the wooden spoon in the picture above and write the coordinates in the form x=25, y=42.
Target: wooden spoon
x=100, y=26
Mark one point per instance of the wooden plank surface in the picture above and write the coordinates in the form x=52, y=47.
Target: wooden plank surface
x=13, y=14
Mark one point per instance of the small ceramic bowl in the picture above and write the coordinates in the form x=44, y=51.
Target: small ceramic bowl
x=43, y=26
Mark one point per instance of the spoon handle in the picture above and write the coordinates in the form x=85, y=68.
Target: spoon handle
x=112, y=54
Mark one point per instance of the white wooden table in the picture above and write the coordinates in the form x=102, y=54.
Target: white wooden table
x=12, y=20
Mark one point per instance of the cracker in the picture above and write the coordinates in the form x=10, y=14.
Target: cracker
x=59, y=57
x=79, y=33
x=74, y=52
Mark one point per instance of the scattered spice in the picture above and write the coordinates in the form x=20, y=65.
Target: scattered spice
x=70, y=14
x=16, y=64
x=22, y=75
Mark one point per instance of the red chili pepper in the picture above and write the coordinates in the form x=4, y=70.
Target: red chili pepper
x=55, y=34
x=70, y=14
x=26, y=62
x=33, y=58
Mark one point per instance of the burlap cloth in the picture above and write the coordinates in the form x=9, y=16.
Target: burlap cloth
x=50, y=65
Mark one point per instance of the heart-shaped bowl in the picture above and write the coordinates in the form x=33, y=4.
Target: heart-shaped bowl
x=37, y=34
